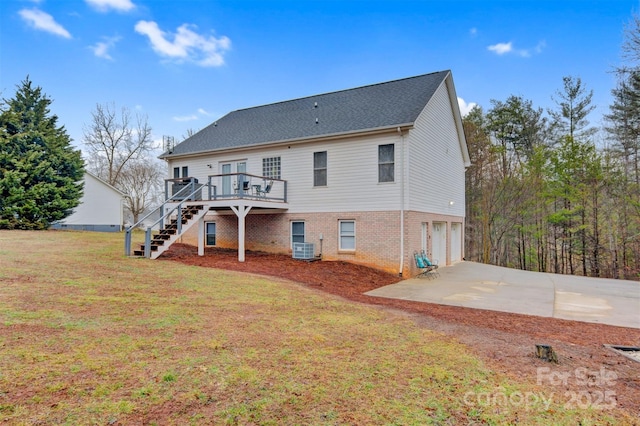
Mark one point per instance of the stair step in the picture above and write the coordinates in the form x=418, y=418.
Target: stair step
x=170, y=230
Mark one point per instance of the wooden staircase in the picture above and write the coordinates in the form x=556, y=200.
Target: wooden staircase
x=161, y=241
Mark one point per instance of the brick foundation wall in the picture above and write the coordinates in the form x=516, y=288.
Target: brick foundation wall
x=377, y=235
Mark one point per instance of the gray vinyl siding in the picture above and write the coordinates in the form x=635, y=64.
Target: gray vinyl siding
x=352, y=177
x=352, y=174
x=436, y=168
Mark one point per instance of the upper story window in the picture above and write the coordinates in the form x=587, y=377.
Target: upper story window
x=320, y=168
x=271, y=167
x=176, y=172
x=386, y=163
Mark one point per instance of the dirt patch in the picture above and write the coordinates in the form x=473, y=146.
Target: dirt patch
x=587, y=374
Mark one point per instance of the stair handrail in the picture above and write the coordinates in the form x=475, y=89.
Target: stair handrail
x=128, y=230
x=147, y=239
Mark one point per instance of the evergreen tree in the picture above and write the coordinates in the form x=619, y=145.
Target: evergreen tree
x=574, y=105
x=624, y=122
x=517, y=128
x=40, y=172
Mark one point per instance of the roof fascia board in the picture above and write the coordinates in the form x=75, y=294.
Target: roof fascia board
x=455, y=109
x=322, y=138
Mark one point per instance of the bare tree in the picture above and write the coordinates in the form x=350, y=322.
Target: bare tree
x=631, y=44
x=141, y=180
x=120, y=151
x=114, y=139
x=190, y=132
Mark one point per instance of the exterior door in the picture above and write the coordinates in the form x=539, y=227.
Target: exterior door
x=456, y=242
x=425, y=237
x=439, y=242
x=230, y=182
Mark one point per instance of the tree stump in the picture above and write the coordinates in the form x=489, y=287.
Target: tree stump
x=546, y=353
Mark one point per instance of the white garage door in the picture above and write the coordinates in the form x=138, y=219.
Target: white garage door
x=456, y=242
x=439, y=242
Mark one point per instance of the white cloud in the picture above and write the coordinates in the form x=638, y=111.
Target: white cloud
x=465, y=108
x=187, y=45
x=101, y=48
x=186, y=118
x=105, y=5
x=205, y=113
x=507, y=48
x=540, y=46
x=201, y=112
x=473, y=32
x=501, y=48
x=43, y=21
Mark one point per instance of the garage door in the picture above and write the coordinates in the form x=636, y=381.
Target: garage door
x=456, y=242
x=439, y=242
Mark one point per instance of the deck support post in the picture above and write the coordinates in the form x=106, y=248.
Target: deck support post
x=241, y=211
x=201, y=236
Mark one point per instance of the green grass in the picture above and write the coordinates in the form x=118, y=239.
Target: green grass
x=88, y=336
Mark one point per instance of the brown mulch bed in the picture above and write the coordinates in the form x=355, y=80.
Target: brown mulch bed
x=505, y=341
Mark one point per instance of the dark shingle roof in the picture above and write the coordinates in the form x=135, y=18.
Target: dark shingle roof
x=380, y=105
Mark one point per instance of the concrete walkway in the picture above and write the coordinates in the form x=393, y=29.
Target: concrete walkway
x=480, y=286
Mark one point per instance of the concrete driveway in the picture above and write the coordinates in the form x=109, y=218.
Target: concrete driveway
x=480, y=286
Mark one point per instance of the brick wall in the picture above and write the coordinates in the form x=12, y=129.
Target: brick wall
x=377, y=235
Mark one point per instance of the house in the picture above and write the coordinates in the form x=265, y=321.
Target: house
x=100, y=208
x=367, y=175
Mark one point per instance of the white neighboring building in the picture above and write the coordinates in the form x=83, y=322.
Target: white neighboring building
x=100, y=209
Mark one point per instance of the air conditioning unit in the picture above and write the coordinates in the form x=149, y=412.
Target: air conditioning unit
x=303, y=251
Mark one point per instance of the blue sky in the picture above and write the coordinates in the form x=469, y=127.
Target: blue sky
x=186, y=63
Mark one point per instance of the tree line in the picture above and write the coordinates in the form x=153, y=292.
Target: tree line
x=542, y=195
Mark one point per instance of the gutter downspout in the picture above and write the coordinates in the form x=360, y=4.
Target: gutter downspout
x=400, y=269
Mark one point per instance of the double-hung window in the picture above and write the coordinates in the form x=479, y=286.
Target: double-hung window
x=347, y=229
x=320, y=168
x=386, y=163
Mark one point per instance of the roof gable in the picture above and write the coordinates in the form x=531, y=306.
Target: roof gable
x=103, y=183
x=376, y=106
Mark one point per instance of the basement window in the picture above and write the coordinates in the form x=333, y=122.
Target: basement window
x=210, y=233
x=347, y=234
